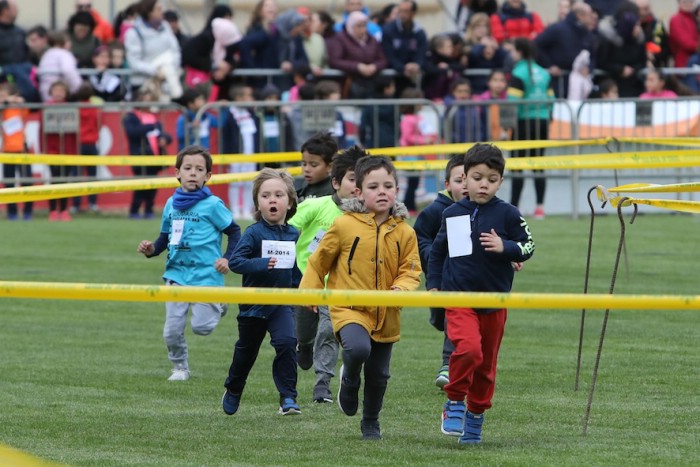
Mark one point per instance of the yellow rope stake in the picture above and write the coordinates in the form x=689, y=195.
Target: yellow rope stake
x=263, y=296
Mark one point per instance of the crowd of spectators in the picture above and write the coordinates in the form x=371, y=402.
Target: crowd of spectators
x=620, y=38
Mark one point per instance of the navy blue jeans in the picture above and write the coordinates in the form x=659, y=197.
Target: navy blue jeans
x=283, y=337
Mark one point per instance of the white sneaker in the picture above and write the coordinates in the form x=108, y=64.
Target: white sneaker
x=180, y=374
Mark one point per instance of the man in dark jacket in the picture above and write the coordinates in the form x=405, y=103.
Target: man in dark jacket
x=560, y=43
x=655, y=34
x=405, y=46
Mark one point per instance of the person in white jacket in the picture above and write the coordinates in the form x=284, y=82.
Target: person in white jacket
x=152, y=50
x=58, y=63
x=581, y=78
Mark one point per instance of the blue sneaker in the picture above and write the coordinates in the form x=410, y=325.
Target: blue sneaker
x=289, y=406
x=472, y=429
x=453, y=418
x=230, y=402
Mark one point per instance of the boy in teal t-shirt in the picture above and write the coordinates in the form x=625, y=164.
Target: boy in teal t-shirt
x=317, y=344
x=193, y=224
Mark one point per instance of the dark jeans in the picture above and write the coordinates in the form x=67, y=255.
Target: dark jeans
x=143, y=197
x=410, y=199
x=58, y=171
x=9, y=171
x=307, y=325
x=91, y=170
x=251, y=333
x=438, y=321
x=360, y=350
x=527, y=130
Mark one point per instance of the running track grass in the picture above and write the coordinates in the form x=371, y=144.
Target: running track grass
x=84, y=383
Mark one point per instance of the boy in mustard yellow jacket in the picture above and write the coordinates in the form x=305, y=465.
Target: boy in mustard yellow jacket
x=369, y=247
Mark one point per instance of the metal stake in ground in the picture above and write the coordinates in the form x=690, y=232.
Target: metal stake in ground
x=607, y=312
x=585, y=287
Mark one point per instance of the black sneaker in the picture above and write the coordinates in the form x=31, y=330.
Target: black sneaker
x=305, y=356
x=370, y=430
x=348, y=399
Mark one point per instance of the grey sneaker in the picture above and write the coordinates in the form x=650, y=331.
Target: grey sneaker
x=322, y=391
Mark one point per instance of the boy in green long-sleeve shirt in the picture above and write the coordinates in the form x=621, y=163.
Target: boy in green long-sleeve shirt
x=317, y=344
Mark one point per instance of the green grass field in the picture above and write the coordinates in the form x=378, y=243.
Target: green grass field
x=84, y=383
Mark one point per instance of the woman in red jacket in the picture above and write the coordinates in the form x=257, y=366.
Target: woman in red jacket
x=683, y=33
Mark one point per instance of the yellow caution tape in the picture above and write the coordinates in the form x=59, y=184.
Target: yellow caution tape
x=652, y=159
x=14, y=458
x=675, y=205
x=654, y=188
x=270, y=296
x=675, y=141
x=69, y=190
x=128, y=161
x=269, y=157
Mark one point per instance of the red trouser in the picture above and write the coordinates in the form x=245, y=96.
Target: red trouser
x=477, y=338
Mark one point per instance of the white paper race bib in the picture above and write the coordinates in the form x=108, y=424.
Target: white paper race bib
x=271, y=129
x=282, y=250
x=177, y=227
x=317, y=239
x=459, y=236
x=12, y=126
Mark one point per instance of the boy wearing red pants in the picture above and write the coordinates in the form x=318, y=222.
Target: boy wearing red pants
x=479, y=237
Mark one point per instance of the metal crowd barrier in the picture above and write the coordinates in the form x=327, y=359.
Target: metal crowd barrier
x=590, y=119
x=63, y=122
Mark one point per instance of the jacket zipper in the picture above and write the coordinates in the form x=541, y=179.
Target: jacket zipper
x=376, y=272
x=352, y=253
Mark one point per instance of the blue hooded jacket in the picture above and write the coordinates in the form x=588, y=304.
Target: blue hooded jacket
x=427, y=226
x=481, y=271
x=247, y=260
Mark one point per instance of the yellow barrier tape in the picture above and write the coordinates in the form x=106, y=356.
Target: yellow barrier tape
x=654, y=188
x=267, y=157
x=69, y=190
x=676, y=205
x=128, y=161
x=13, y=457
x=270, y=296
x=671, y=141
x=652, y=159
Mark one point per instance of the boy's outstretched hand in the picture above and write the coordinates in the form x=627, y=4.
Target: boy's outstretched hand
x=146, y=248
x=221, y=265
x=491, y=241
x=271, y=263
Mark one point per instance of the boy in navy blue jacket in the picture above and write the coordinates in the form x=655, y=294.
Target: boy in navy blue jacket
x=266, y=257
x=427, y=226
x=479, y=237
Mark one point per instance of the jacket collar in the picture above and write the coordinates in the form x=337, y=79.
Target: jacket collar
x=355, y=205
